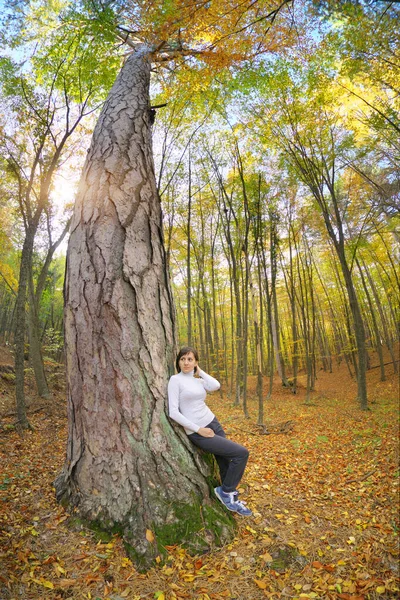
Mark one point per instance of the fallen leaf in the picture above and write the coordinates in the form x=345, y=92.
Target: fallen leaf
x=66, y=583
x=267, y=557
x=149, y=536
x=380, y=589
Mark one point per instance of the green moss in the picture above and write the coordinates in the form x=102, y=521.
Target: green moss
x=102, y=532
x=286, y=557
x=213, y=479
x=142, y=562
x=197, y=527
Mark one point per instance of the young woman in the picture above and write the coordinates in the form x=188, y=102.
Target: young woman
x=187, y=406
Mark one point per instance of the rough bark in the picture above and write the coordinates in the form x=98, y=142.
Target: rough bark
x=127, y=468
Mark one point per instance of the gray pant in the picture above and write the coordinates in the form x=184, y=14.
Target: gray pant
x=231, y=457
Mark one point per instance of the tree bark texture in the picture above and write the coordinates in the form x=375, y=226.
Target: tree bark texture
x=127, y=468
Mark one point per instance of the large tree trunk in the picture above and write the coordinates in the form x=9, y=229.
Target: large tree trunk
x=127, y=469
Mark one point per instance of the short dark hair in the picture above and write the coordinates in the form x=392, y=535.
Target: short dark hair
x=185, y=350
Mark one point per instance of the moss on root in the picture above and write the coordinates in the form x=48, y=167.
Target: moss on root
x=198, y=527
x=102, y=532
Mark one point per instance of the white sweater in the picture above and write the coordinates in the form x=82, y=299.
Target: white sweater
x=186, y=399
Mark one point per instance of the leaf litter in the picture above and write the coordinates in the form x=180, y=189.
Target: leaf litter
x=324, y=496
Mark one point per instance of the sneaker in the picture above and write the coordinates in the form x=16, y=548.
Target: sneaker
x=241, y=508
x=231, y=502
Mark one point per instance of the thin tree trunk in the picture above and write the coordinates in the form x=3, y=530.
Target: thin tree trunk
x=245, y=333
x=268, y=298
x=214, y=302
x=292, y=297
x=35, y=346
x=374, y=323
x=280, y=364
x=20, y=324
x=386, y=333
x=258, y=348
x=188, y=266
x=359, y=332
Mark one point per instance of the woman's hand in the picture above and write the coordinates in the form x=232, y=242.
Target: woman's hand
x=206, y=432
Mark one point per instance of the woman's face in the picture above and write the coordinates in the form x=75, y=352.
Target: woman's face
x=187, y=362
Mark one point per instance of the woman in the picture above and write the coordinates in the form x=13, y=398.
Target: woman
x=186, y=397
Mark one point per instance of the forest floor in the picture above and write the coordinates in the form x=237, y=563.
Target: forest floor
x=325, y=497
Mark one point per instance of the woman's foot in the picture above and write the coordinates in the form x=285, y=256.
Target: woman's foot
x=231, y=501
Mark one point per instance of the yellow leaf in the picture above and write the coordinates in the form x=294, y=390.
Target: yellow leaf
x=126, y=562
x=58, y=569
x=261, y=584
x=125, y=593
x=47, y=584
x=351, y=540
x=149, y=536
x=380, y=589
x=267, y=557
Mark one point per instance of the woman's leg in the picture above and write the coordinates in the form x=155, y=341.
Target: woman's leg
x=234, y=456
x=222, y=462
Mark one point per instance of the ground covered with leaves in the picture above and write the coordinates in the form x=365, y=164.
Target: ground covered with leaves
x=325, y=496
